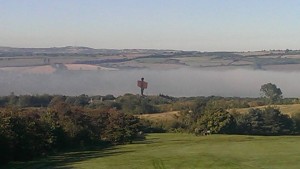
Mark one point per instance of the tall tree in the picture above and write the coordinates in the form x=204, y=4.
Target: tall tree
x=271, y=92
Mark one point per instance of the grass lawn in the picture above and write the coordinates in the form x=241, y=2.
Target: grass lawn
x=184, y=151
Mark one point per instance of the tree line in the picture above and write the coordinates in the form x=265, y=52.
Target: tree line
x=208, y=115
x=29, y=133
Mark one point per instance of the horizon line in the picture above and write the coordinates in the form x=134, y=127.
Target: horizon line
x=75, y=46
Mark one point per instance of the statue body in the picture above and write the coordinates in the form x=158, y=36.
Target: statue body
x=143, y=85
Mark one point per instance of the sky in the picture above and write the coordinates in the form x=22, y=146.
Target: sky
x=214, y=25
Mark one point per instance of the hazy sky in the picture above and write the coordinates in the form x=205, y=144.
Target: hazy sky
x=205, y=25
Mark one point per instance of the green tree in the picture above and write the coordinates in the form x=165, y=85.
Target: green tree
x=217, y=121
x=271, y=92
x=296, y=119
x=133, y=104
x=120, y=127
x=276, y=123
x=269, y=121
x=254, y=122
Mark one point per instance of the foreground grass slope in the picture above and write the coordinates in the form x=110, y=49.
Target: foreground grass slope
x=176, y=151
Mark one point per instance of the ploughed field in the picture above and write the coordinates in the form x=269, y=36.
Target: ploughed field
x=184, y=151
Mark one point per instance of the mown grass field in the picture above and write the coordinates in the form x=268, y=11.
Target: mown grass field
x=184, y=151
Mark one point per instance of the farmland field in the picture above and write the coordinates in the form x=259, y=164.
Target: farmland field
x=290, y=109
x=166, y=116
x=176, y=151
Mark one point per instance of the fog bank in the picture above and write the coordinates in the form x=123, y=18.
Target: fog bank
x=177, y=82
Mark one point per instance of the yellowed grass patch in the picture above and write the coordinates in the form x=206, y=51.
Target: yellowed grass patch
x=166, y=116
x=289, y=109
x=47, y=69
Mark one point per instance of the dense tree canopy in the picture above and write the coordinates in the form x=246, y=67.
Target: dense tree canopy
x=209, y=115
x=29, y=133
x=271, y=92
x=269, y=121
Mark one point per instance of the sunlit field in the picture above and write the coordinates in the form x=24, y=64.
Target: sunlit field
x=176, y=151
x=290, y=109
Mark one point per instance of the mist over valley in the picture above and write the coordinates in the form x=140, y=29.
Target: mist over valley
x=174, y=82
x=81, y=70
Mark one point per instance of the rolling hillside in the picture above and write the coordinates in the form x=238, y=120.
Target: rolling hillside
x=289, y=109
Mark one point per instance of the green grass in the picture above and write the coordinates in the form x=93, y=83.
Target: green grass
x=184, y=151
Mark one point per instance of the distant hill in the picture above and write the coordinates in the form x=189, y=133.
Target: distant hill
x=10, y=51
x=281, y=60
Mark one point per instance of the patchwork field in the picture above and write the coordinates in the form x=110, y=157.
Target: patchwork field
x=280, y=60
x=183, y=151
